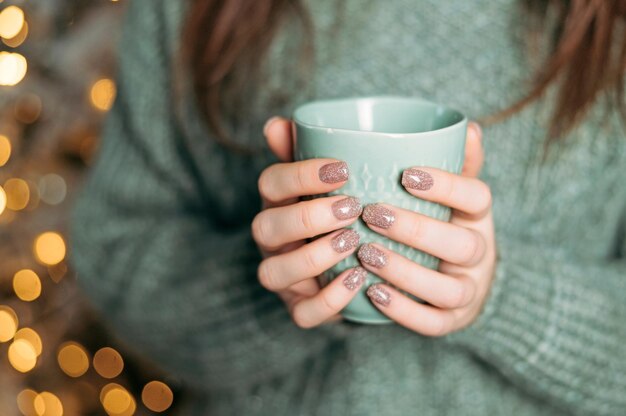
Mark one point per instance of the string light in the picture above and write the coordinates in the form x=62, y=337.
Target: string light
x=49, y=248
x=47, y=404
x=73, y=359
x=5, y=150
x=108, y=363
x=8, y=323
x=26, y=402
x=17, y=193
x=103, y=94
x=22, y=355
x=18, y=39
x=32, y=337
x=157, y=396
x=13, y=67
x=11, y=21
x=3, y=200
x=117, y=401
x=27, y=285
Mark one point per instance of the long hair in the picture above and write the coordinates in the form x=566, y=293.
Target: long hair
x=226, y=40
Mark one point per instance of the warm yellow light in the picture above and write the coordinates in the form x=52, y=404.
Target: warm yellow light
x=8, y=323
x=108, y=362
x=3, y=200
x=32, y=337
x=50, y=248
x=26, y=402
x=47, y=404
x=103, y=94
x=157, y=396
x=11, y=21
x=13, y=67
x=117, y=401
x=27, y=285
x=18, y=39
x=5, y=150
x=17, y=193
x=22, y=355
x=73, y=359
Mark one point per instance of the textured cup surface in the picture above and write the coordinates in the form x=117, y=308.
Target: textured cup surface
x=380, y=137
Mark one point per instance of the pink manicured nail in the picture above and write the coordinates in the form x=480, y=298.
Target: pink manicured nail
x=417, y=179
x=345, y=241
x=347, y=208
x=378, y=294
x=355, y=278
x=369, y=254
x=267, y=124
x=334, y=172
x=378, y=215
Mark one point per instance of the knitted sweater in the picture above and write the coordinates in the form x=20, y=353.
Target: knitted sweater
x=162, y=245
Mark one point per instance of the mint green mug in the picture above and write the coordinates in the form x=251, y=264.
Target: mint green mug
x=380, y=137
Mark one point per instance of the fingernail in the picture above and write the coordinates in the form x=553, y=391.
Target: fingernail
x=476, y=130
x=347, y=208
x=355, y=278
x=267, y=124
x=345, y=241
x=369, y=254
x=334, y=172
x=379, y=294
x=376, y=214
x=417, y=179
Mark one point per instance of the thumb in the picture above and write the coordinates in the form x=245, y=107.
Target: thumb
x=277, y=131
x=473, y=151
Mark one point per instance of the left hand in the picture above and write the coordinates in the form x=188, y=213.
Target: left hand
x=456, y=292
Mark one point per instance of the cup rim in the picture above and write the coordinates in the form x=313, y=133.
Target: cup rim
x=298, y=120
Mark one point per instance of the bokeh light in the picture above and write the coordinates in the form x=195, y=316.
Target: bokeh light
x=11, y=22
x=27, y=285
x=32, y=337
x=27, y=108
x=13, y=67
x=8, y=323
x=17, y=193
x=52, y=189
x=73, y=359
x=47, y=404
x=103, y=94
x=49, y=248
x=5, y=149
x=117, y=401
x=22, y=355
x=26, y=402
x=108, y=363
x=57, y=272
x=157, y=396
x=3, y=200
x=18, y=39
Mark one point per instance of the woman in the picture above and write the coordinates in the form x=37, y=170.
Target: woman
x=168, y=236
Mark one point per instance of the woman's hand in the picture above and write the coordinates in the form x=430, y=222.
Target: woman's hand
x=466, y=246
x=291, y=266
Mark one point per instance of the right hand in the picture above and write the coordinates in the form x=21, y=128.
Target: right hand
x=291, y=265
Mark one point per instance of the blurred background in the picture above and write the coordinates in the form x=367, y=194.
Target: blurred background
x=57, y=63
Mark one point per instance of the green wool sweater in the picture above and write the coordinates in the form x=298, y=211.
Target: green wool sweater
x=161, y=234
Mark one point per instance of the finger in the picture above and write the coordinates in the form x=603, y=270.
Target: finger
x=473, y=151
x=423, y=319
x=329, y=301
x=468, y=195
x=436, y=288
x=277, y=131
x=275, y=227
x=282, y=181
x=450, y=242
x=279, y=272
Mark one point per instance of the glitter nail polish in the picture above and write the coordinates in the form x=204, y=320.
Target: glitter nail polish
x=417, y=179
x=369, y=254
x=334, y=172
x=378, y=294
x=355, y=278
x=347, y=208
x=378, y=215
x=345, y=241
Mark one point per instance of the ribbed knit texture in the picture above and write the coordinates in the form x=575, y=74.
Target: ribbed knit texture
x=162, y=245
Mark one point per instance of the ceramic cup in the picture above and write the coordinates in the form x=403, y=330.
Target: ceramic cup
x=380, y=137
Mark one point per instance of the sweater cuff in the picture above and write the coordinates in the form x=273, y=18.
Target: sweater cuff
x=520, y=310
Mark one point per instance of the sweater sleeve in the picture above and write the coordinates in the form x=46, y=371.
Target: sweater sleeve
x=170, y=281
x=555, y=325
